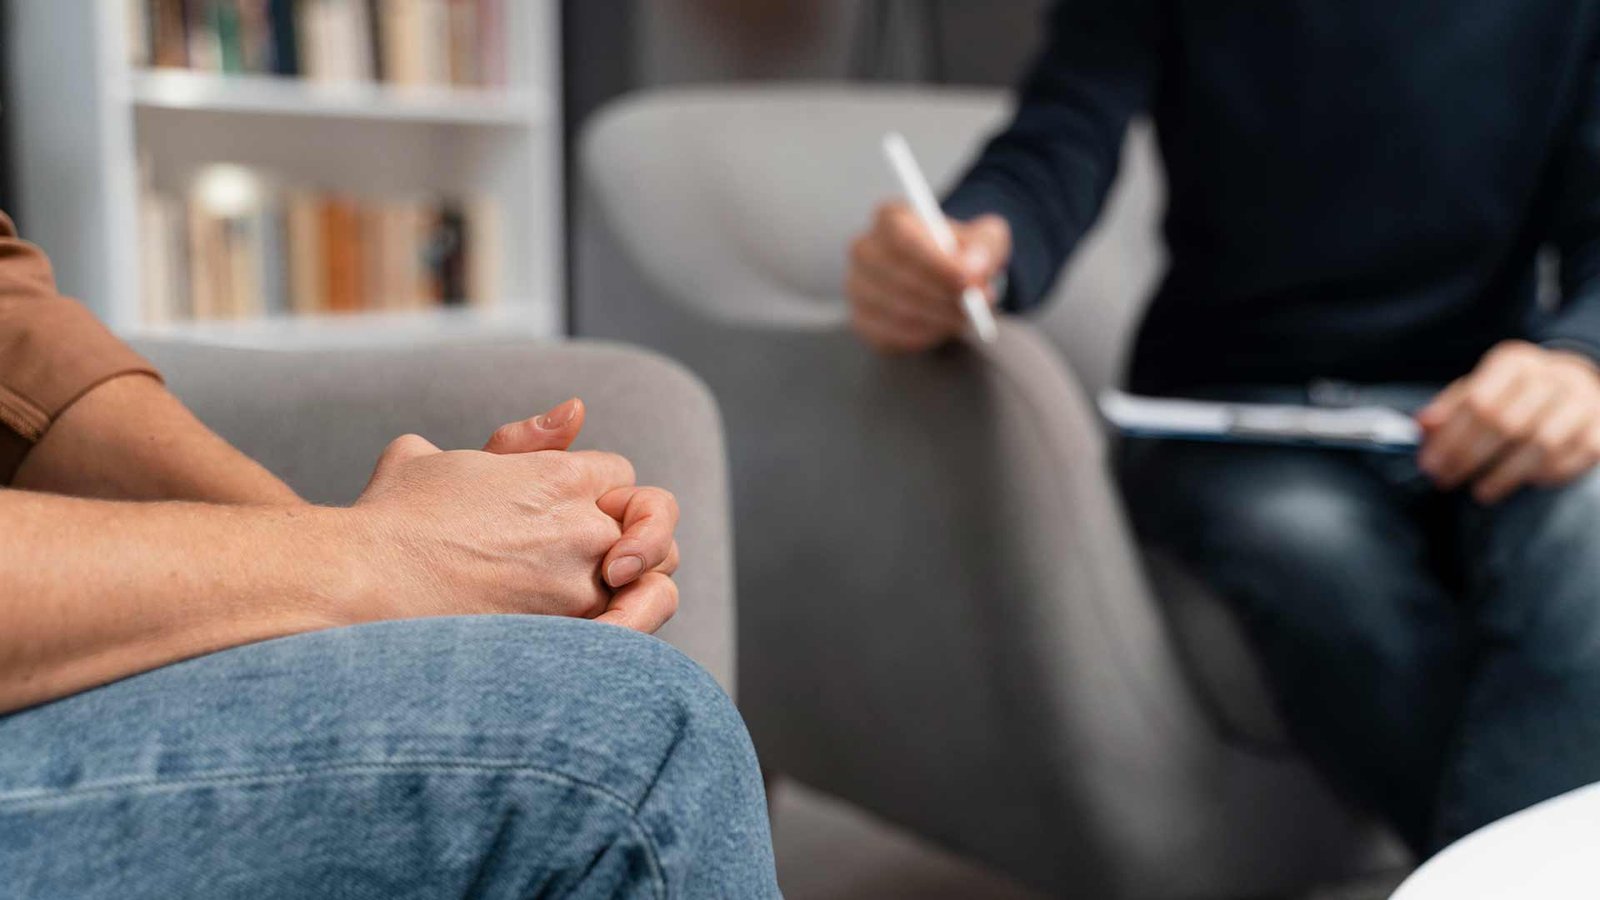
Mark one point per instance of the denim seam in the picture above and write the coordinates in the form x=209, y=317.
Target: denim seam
x=33, y=798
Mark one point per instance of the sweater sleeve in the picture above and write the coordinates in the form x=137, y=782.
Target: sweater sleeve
x=1048, y=173
x=52, y=350
x=1575, y=231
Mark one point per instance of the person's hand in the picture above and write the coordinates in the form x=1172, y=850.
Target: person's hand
x=640, y=565
x=905, y=293
x=1526, y=416
x=471, y=532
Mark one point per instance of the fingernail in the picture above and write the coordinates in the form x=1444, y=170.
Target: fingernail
x=624, y=570
x=558, y=418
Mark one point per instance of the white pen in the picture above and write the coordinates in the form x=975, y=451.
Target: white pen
x=922, y=200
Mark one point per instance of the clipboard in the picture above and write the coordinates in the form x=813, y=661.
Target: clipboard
x=1370, y=428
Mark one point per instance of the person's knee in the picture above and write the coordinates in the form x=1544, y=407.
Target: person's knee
x=646, y=727
x=1311, y=570
x=1544, y=565
x=649, y=702
x=701, y=804
x=599, y=703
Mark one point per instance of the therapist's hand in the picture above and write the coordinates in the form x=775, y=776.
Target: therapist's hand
x=638, y=568
x=905, y=293
x=1526, y=416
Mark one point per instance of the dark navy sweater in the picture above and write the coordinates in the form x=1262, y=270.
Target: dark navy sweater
x=1358, y=189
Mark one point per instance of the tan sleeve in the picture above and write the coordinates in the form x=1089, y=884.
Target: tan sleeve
x=52, y=350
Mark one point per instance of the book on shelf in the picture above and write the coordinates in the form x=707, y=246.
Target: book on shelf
x=236, y=245
x=439, y=43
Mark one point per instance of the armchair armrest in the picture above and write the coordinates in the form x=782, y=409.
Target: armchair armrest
x=319, y=419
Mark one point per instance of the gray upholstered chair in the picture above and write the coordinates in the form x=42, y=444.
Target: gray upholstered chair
x=943, y=619
x=319, y=419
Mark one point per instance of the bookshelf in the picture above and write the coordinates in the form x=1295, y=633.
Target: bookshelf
x=172, y=89
x=95, y=129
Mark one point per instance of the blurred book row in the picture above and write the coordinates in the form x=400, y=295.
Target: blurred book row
x=402, y=42
x=235, y=245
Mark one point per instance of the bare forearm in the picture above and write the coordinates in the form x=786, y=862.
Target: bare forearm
x=130, y=439
x=92, y=591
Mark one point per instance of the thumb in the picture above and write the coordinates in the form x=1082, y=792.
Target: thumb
x=555, y=430
x=1442, y=408
x=985, y=248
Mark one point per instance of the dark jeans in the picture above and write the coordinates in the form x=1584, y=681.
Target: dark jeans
x=1438, y=660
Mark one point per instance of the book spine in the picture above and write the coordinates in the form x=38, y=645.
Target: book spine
x=225, y=23
x=307, y=256
x=429, y=284
x=170, y=27
x=204, y=53
x=484, y=252
x=309, y=26
x=255, y=35
x=452, y=259
x=274, y=256
x=356, y=40
x=435, y=41
x=285, y=37
x=202, y=279
x=345, y=269
x=177, y=249
x=141, y=38
x=492, y=43
x=154, y=279
x=464, y=57
x=241, y=258
x=374, y=256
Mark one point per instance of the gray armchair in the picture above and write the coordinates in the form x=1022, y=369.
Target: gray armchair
x=319, y=419
x=943, y=617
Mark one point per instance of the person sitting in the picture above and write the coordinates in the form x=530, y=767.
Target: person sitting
x=211, y=688
x=1360, y=192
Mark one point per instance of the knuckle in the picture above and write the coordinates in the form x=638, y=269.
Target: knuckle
x=625, y=466
x=399, y=444
x=1482, y=406
x=565, y=470
x=664, y=593
x=602, y=531
x=855, y=287
x=1510, y=350
x=903, y=229
x=661, y=498
x=592, y=604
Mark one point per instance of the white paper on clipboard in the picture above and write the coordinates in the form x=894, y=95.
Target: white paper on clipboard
x=1366, y=427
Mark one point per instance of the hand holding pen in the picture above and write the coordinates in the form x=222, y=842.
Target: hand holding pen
x=918, y=280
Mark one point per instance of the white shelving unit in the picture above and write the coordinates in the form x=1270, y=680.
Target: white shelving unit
x=84, y=119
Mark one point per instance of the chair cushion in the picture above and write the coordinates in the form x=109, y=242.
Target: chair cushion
x=1218, y=655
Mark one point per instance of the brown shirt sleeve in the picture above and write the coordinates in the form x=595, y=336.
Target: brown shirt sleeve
x=52, y=350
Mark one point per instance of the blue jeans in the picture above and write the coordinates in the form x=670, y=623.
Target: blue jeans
x=485, y=757
x=1438, y=659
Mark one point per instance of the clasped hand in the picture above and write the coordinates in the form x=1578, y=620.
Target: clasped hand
x=521, y=527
